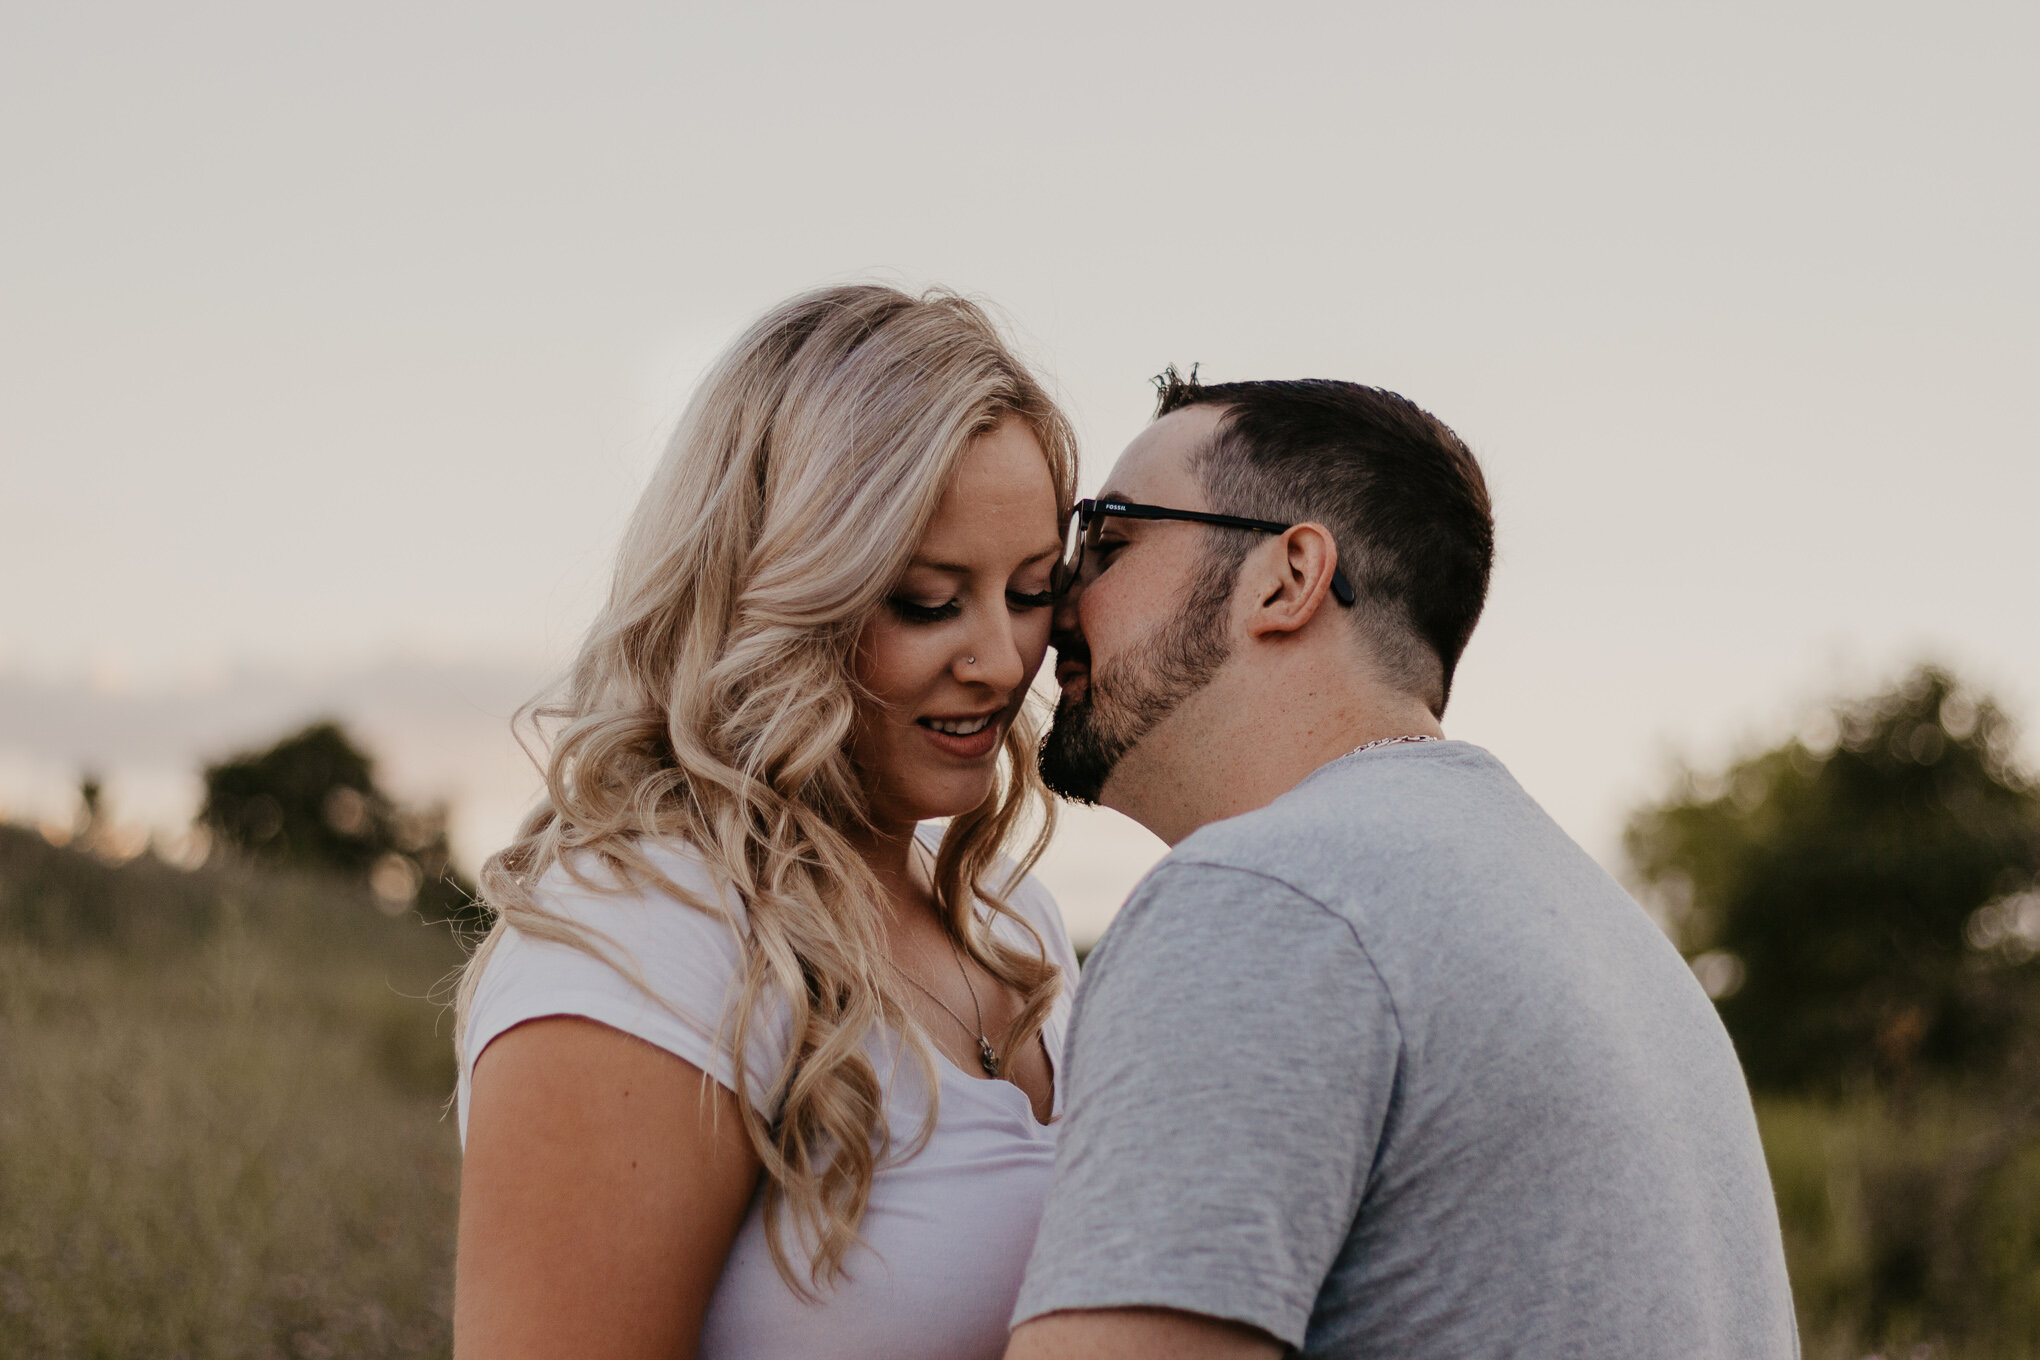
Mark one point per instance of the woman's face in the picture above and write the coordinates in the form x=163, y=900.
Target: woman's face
x=950, y=654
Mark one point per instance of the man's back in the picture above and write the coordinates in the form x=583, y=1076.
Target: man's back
x=1390, y=1067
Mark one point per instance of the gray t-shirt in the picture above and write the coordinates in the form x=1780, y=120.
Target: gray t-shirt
x=1391, y=1068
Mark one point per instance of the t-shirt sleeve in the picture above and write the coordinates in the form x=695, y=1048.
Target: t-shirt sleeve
x=1230, y=1064
x=690, y=961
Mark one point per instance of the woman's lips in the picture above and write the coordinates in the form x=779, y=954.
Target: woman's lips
x=975, y=746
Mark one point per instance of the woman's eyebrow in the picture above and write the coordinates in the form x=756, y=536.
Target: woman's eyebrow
x=959, y=569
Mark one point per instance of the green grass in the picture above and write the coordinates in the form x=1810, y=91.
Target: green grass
x=231, y=1143
x=223, y=1133
x=1909, y=1230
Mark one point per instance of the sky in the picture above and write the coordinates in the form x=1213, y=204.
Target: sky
x=335, y=342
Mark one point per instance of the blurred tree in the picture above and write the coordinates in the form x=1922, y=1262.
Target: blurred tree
x=91, y=803
x=311, y=802
x=1861, y=903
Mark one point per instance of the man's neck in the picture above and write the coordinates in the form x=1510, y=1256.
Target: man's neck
x=1246, y=739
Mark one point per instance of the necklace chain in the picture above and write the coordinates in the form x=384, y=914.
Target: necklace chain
x=1389, y=741
x=988, y=1057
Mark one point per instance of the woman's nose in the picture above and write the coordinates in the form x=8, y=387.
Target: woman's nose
x=991, y=655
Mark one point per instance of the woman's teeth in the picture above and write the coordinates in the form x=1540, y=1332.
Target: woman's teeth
x=959, y=727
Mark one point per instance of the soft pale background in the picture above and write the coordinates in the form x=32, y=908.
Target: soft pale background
x=335, y=342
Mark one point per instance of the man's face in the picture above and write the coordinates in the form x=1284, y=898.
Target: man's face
x=1144, y=626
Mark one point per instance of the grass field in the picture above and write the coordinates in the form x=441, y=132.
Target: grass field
x=230, y=1141
x=1909, y=1232
x=223, y=1133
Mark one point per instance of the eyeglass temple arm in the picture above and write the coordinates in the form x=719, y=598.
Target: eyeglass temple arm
x=1134, y=510
x=1342, y=589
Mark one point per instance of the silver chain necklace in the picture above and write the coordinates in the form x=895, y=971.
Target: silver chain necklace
x=1389, y=741
x=988, y=1057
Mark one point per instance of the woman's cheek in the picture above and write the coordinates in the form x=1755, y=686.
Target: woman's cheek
x=895, y=665
x=1033, y=640
x=868, y=662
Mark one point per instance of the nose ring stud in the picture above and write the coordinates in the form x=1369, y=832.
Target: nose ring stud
x=970, y=661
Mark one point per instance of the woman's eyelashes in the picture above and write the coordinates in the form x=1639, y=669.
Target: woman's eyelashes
x=913, y=611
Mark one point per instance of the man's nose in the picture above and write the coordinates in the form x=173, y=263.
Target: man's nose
x=1064, y=620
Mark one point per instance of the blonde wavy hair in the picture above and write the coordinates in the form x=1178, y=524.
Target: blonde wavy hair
x=713, y=701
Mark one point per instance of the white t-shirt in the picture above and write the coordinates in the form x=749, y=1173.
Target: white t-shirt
x=946, y=1233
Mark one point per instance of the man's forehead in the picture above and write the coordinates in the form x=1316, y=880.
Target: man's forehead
x=1157, y=467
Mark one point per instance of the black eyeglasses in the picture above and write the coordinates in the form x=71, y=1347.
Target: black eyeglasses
x=1087, y=522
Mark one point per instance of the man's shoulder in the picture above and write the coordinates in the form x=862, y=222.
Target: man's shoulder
x=1213, y=904
x=1428, y=797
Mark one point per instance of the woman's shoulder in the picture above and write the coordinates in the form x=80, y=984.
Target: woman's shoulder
x=657, y=914
x=1037, y=906
x=649, y=876
x=653, y=945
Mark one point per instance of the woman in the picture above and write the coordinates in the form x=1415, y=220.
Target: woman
x=754, y=1063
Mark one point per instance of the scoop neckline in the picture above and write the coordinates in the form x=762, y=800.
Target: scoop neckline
x=950, y=1072
x=930, y=834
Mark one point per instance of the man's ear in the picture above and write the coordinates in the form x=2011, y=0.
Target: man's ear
x=1291, y=579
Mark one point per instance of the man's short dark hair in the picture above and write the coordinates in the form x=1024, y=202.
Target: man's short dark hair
x=1402, y=495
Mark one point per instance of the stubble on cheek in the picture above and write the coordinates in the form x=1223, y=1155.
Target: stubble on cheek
x=1074, y=758
x=1125, y=699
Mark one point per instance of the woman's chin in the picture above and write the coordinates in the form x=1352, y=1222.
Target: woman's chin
x=949, y=796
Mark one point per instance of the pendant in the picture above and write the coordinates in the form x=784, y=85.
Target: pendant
x=987, y=1057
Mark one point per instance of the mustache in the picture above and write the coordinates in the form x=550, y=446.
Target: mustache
x=1070, y=646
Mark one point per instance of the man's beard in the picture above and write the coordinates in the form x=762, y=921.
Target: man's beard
x=1127, y=698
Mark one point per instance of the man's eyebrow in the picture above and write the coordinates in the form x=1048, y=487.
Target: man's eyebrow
x=1119, y=521
x=1122, y=523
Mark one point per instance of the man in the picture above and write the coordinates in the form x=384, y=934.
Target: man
x=1376, y=1062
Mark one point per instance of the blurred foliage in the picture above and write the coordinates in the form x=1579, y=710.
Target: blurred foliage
x=311, y=801
x=1909, y=1231
x=62, y=896
x=223, y=1130
x=1861, y=904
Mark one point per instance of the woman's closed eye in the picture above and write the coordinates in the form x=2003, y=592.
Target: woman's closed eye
x=913, y=611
